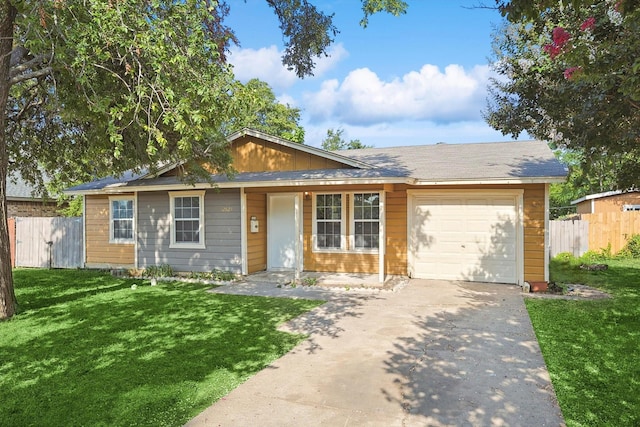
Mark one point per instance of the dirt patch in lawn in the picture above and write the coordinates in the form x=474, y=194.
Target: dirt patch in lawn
x=573, y=291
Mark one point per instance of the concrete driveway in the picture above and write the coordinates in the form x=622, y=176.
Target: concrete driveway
x=433, y=353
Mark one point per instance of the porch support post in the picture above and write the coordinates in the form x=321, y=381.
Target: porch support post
x=299, y=264
x=382, y=237
x=243, y=231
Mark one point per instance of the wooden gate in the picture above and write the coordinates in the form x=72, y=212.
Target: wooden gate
x=53, y=242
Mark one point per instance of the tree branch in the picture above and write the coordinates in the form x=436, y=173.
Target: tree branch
x=34, y=75
x=40, y=59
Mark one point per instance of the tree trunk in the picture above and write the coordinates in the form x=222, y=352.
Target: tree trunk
x=8, y=302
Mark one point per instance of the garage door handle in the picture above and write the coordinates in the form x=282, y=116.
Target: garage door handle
x=463, y=246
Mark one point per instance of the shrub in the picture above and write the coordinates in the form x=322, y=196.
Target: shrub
x=632, y=248
x=215, y=275
x=592, y=256
x=565, y=257
x=162, y=270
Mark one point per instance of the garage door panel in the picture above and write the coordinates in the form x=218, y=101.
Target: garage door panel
x=465, y=238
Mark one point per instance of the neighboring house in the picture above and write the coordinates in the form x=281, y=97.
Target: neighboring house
x=610, y=201
x=25, y=200
x=466, y=211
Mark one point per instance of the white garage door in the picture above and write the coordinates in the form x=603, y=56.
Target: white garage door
x=464, y=237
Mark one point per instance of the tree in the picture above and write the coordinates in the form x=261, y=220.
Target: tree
x=261, y=111
x=94, y=87
x=600, y=178
x=334, y=142
x=569, y=73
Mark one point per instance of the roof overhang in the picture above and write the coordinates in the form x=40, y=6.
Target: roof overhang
x=494, y=181
x=141, y=186
x=124, y=188
x=601, y=195
x=30, y=199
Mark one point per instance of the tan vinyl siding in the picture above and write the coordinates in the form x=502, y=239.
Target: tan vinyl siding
x=255, y=155
x=615, y=203
x=99, y=252
x=534, y=232
x=257, y=242
x=396, y=231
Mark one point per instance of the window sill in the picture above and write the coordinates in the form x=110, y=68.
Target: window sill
x=187, y=246
x=346, y=251
x=122, y=242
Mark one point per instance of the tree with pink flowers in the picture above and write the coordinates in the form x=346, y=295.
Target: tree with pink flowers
x=569, y=72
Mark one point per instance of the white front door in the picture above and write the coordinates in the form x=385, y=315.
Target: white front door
x=283, y=232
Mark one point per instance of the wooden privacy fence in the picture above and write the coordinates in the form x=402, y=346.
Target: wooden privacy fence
x=593, y=232
x=568, y=236
x=52, y=242
x=612, y=227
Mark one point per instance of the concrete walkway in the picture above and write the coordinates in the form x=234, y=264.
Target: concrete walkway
x=433, y=353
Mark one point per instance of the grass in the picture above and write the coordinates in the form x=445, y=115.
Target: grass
x=592, y=348
x=86, y=349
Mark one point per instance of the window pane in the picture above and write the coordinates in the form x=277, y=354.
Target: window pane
x=187, y=219
x=122, y=219
x=366, y=215
x=328, y=217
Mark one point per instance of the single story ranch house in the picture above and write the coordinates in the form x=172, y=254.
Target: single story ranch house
x=476, y=212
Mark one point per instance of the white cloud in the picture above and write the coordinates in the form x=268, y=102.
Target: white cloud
x=454, y=94
x=409, y=133
x=266, y=64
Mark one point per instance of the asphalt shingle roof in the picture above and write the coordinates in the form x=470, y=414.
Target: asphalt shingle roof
x=478, y=161
x=18, y=188
x=432, y=163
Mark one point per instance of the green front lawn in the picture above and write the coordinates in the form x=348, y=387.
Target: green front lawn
x=86, y=349
x=592, y=348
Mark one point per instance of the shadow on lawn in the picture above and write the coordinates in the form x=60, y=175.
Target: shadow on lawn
x=153, y=356
x=36, y=289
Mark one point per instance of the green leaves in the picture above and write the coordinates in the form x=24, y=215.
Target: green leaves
x=580, y=94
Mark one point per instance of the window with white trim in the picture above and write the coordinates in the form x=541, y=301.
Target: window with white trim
x=366, y=221
x=121, y=219
x=328, y=221
x=631, y=208
x=187, y=219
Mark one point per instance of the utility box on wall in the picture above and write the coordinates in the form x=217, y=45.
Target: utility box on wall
x=254, y=225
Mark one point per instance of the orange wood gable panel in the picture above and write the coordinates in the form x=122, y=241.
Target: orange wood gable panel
x=99, y=251
x=256, y=155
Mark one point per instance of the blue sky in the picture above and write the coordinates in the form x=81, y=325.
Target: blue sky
x=419, y=78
